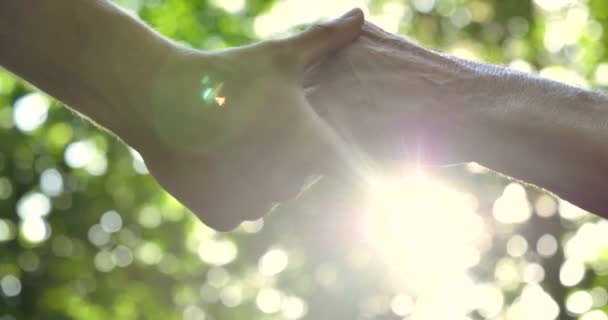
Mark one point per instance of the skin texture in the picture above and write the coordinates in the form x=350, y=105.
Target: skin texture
x=395, y=102
x=381, y=102
x=228, y=162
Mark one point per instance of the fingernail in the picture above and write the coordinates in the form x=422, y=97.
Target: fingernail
x=356, y=12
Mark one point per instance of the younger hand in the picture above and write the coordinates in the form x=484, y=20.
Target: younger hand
x=231, y=132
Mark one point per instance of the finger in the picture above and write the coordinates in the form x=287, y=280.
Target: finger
x=324, y=39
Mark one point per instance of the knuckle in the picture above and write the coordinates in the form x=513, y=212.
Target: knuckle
x=324, y=29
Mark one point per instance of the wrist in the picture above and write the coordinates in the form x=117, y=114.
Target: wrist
x=133, y=93
x=117, y=67
x=178, y=106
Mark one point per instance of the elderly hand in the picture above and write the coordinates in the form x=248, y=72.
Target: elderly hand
x=395, y=102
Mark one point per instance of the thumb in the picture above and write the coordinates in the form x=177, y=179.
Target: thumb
x=324, y=39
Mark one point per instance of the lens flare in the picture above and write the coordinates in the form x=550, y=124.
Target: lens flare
x=207, y=94
x=430, y=235
x=220, y=101
x=211, y=93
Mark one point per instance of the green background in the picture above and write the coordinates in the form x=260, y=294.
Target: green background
x=86, y=233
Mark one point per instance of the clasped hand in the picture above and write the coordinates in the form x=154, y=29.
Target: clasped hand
x=241, y=130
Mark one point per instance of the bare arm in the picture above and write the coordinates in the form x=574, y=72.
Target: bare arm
x=548, y=134
x=409, y=104
x=87, y=53
x=227, y=133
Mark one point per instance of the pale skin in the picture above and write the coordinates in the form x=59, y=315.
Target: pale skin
x=226, y=163
x=232, y=162
x=411, y=104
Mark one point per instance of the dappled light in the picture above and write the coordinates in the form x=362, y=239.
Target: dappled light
x=412, y=218
x=87, y=233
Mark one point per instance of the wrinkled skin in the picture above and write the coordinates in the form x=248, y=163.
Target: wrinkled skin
x=372, y=104
x=393, y=101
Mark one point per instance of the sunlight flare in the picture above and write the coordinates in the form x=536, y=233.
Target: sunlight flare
x=430, y=235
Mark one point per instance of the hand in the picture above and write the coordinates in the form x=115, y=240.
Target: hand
x=394, y=101
x=231, y=132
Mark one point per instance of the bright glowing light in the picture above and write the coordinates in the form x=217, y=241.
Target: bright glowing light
x=545, y=206
x=601, y=74
x=394, y=13
x=553, y=5
x=512, y=206
x=111, y=222
x=252, y=226
x=85, y=154
x=11, y=285
x=533, y=304
x=600, y=296
x=507, y=273
x=579, y=302
x=517, y=246
x=78, y=154
x=30, y=112
x=220, y=101
x=571, y=272
x=217, y=252
x=150, y=217
x=122, y=256
x=268, y=300
x=273, y=262
x=6, y=230
x=35, y=229
x=461, y=17
x=430, y=234
x=594, y=315
x=565, y=31
x=33, y=205
x=231, y=6
x=402, y=305
x=98, y=236
x=103, y=261
x=207, y=93
x=51, y=182
x=138, y=162
x=193, y=312
x=149, y=253
x=490, y=300
x=231, y=296
x=521, y=65
x=567, y=76
x=547, y=245
x=293, y=308
x=571, y=212
x=533, y=273
x=290, y=13
x=424, y=6
x=589, y=243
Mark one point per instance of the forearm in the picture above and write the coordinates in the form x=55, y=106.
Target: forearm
x=88, y=54
x=548, y=134
x=400, y=102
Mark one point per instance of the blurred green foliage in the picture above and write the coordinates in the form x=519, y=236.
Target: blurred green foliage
x=86, y=233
